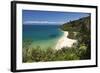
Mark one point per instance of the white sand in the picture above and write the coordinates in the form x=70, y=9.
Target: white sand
x=64, y=41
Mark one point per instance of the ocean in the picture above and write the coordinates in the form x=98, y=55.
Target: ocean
x=43, y=36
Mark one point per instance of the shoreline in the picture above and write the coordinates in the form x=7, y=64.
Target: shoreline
x=64, y=41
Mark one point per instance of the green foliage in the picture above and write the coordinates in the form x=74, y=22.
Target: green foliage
x=37, y=55
x=71, y=35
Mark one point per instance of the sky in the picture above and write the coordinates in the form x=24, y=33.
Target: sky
x=34, y=17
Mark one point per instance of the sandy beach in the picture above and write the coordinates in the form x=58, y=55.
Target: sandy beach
x=64, y=41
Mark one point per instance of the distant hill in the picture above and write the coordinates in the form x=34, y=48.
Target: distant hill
x=76, y=25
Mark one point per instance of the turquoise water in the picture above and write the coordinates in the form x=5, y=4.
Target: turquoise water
x=43, y=36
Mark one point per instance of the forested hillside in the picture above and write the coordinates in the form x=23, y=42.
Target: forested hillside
x=80, y=30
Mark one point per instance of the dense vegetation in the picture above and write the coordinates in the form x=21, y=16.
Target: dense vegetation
x=38, y=54
x=78, y=29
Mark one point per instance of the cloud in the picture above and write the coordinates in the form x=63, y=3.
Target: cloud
x=42, y=22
